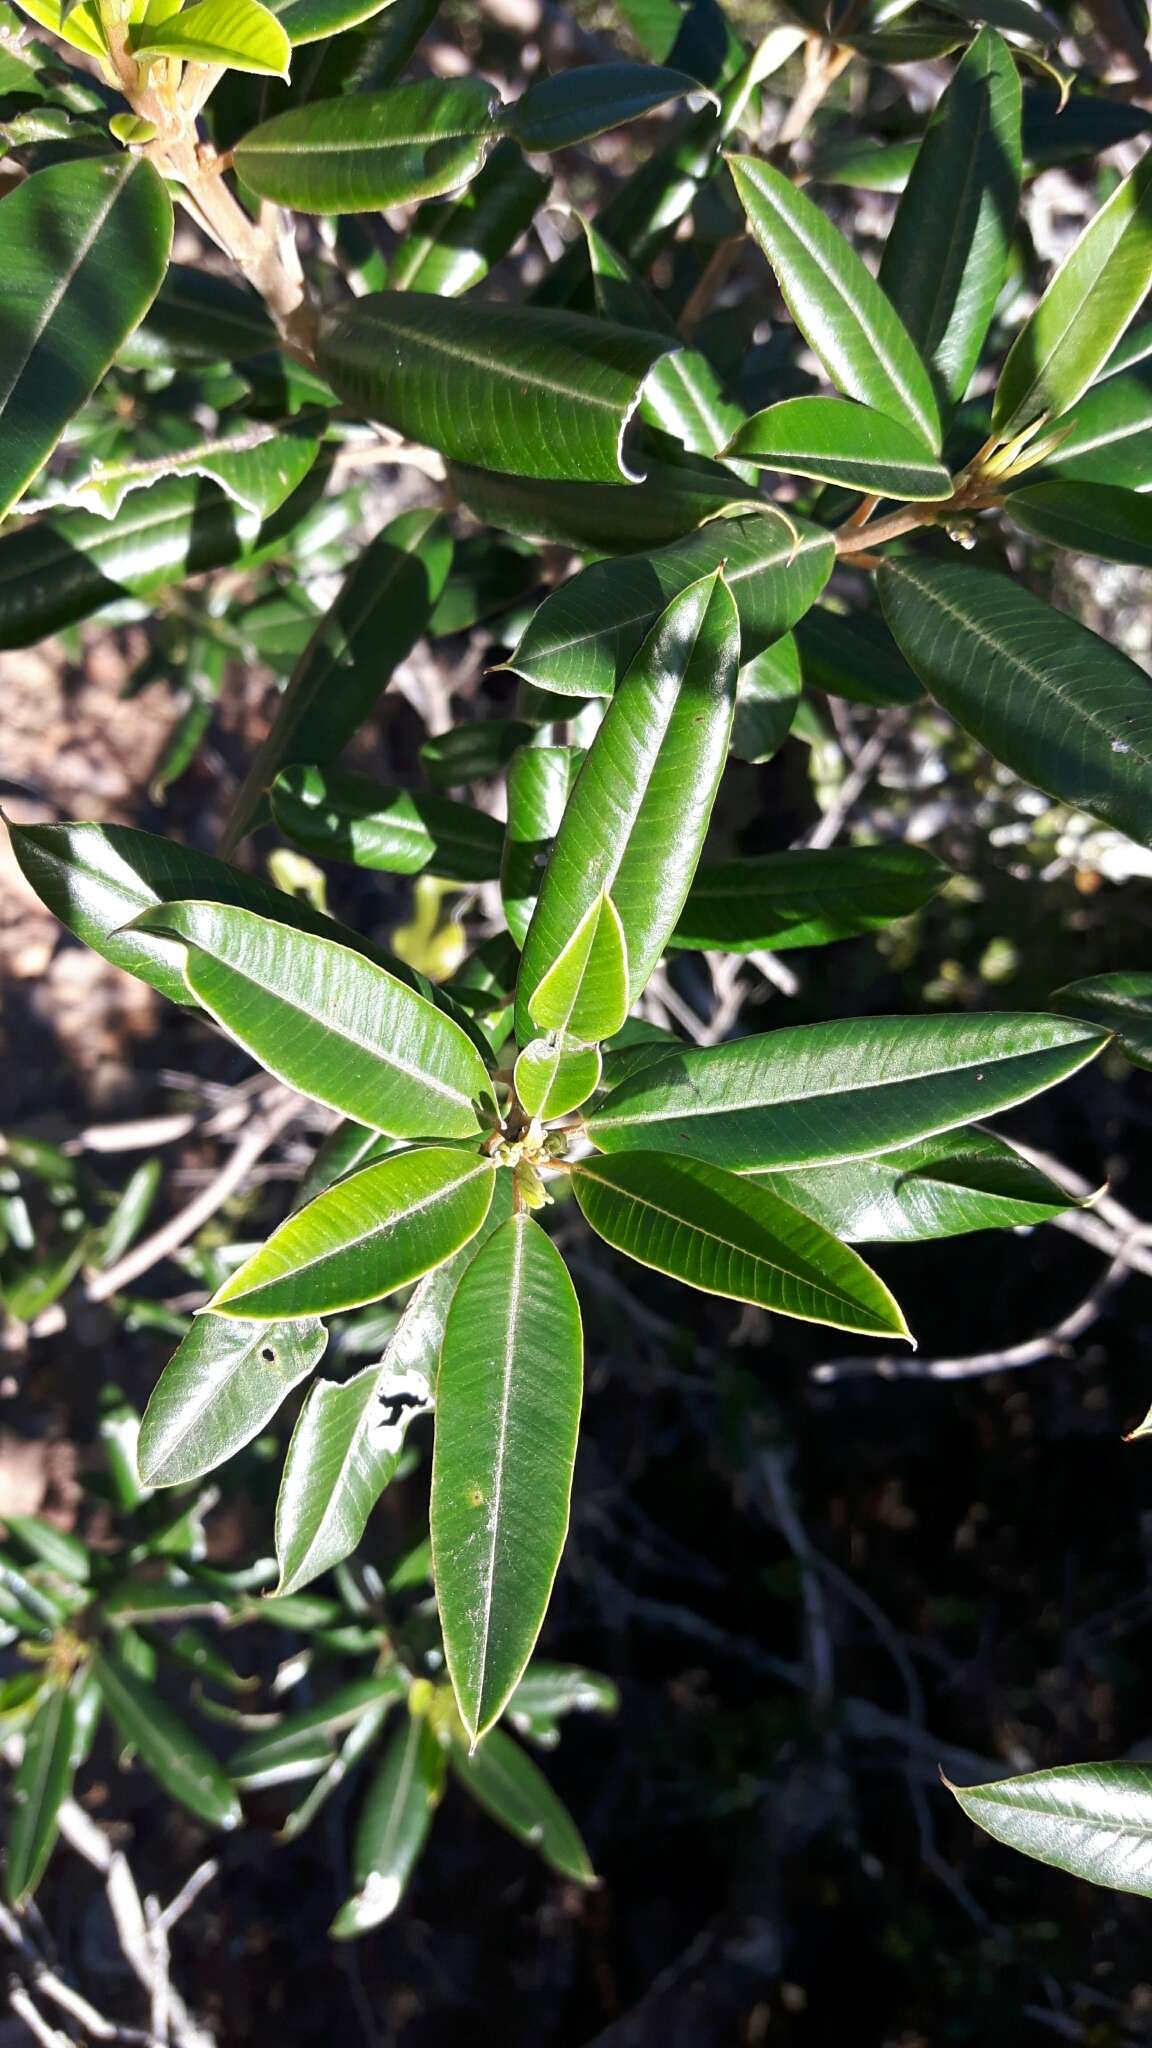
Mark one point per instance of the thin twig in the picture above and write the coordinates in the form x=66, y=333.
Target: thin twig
x=828, y=828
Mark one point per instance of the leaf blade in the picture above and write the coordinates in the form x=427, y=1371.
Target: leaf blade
x=372, y=149
x=219, y=1389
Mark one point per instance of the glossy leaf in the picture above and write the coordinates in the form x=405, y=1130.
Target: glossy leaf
x=547, y=1692
x=473, y=750
x=302, y=1742
x=729, y=1236
x=41, y=1785
x=259, y=468
x=349, y=1438
x=81, y=26
x=584, y=636
x=946, y=254
x=1091, y=519
x=175, y=1756
x=364, y=1237
x=379, y=614
x=575, y=105
x=507, y=1415
x=539, y=783
x=808, y=1094
x=542, y=394
x=502, y=1779
x=1057, y=705
x=839, y=308
x=767, y=696
x=329, y=1022
x=393, y=1827
x=1120, y=1003
x=86, y=245
x=637, y=817
x=397, y=831
x=371, y=149
x=1092, y=1820
x=672, y=501
x=242, y=34
x=556, y=1074
x=453, y=243
x=218, y=1391
x=309, y=21
x=778, y=900
x=853, y=655
x=842, y=443
x=944, y=1186
x=1095, y=294
x=584, y=988
x=1107, y=438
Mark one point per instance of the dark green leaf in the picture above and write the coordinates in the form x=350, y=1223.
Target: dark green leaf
x=725, y=1235
x=453, y=243
x=42, y=1783
x=541, y=394
x=673, y=500
x=573, y=106
x=401, y=832
x=1092, y=1820
x=767, y=694
x=218, y=1391
x=539, y=784
x=510, y=1787
x=854, y=656
x=393, y=1827
x=371, y=149
x=1120, y=1003
x=941, y=1187
x=258, y=467
x=310, y=21
x=473, y=750
x=1091, y=519
x=85, y=245
x=842, y=443
x=1057, y=705
x=547, y=1692
x=175, y=1756
x=305, y=1740
x=780, y=900
x=1107, y=438
x=507, y=1415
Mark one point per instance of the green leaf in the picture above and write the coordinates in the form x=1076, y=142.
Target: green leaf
x=259, y=468
x=62, y=1552
x=854, y=656
x=382, y=608
x=349, y=1437
x=556, y=1074
x=1092, y=1820
x=392, y=1828
x=42, y=1783
x=330, y=1022
x=726, y=1235
x=542, y=394
x=313, y=21
x=218, y=1391
x=944, y=1186
x=304, y=1742
x=808, y=1095
x=1091, y=519
x=397, y=831
x=584, y=989
x=539, y=784
x=767, y=697
x=80, y=26
x=85, y=246
x=946, y=254
x=453, y=243
x=672, y=501
x=503, y=1780
x=575, y=105
x=507, y=1415
x=839, y=308
x=778, y=900
x=840, y=442
x=241, y=34
x=175, y=1756
x=1120, y=1003
x=473, y=750
x=584, y=636
x=1107, y=438
x=1095, y=294
x=637, y=817
x=1060, y=707
x=364, y=1237
x=371, y=149
x=547, y=1692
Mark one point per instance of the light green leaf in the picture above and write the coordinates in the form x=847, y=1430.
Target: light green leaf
x=330, y=1022
x=1092, y=1820
x=453, y=243
x=584, y=990
x=304, y=1741
x=84, y=245
x=539, y=783
x=1095, y=294
x=371, y=149
x=1120, y=1003
x=1107, y=438
x=80, y=26
x=1090, y=519
x=175, y=1756
x=1057, y=705
x=556, y=1074
x=507, y=1414
x=392, y=1828
x=42, y=1783
x=364, y=1237
x=547, y=1692
x=767, y=697
x=218, y=1391
x=259, y=468
x=397, y=831
x=839, y=308
x=813, y=1094
x=726, y=1235
x=637, y=817
x=944, y=1186
x=503, y=1780
x=584, y=636
x=946, y=254
x=778, y=900
x=243, y=35
x=575, y=105
x=539, y=393
x=840, y=442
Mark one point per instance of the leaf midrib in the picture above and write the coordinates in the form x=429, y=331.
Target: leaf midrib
x=378, y=1229
x=521, y=374
x=514, y=1300
x=65, y=281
